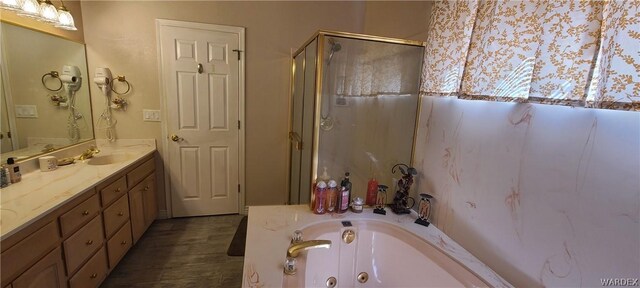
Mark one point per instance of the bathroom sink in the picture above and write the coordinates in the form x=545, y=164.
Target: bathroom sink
x=109, y=159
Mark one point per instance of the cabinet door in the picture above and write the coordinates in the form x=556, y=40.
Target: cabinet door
x=150, y=203
x=48, y=272
x=136, y=204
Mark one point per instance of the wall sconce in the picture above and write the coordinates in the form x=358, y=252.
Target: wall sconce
x=41, y=10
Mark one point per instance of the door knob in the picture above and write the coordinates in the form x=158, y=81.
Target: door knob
x=176, y=138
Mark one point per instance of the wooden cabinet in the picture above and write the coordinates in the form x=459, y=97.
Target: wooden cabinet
x=48, y=272
x=83, y=244
x=113, y=191
x=88, y=236
x=142, y=199
x=92, y=273
x=116, y=215
x=23, y=255
x=79, y=215
x=119, y=244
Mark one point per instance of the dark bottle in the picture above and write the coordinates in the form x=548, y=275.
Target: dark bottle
x=344, y=196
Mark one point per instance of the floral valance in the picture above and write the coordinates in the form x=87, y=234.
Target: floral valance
x=571, y=52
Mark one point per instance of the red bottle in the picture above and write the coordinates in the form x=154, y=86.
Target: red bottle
x=372, y=192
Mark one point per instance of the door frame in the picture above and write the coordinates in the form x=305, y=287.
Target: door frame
x=242, y=209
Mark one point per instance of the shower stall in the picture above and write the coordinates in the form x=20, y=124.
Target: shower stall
x=354, y=105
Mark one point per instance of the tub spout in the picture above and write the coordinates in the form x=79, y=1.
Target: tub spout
x=296, y=248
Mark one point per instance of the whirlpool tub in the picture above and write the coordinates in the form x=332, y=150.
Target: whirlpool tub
x=367, y=250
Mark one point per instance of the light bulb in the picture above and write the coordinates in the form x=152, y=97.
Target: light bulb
x=30, y=8
x=48, y=13
x=65, y=19
x=13, y=5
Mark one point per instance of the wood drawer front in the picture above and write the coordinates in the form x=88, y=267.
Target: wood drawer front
x=79, y=215
x=48, y=272
x=24, y=254
x=119, y=244
x=92, y=273
x=83, y=243
x=140, y=172
x=116, y=215
x=113, y=191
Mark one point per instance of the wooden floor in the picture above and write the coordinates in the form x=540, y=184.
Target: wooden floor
x=182, y=252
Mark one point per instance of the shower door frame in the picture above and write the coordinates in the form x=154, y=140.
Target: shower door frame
x=320, y=36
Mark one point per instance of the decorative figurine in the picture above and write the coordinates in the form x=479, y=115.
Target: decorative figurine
x=424, y=209
x=381, y=199
x=402, y=203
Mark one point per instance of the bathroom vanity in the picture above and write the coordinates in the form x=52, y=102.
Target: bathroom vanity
x=70, y=227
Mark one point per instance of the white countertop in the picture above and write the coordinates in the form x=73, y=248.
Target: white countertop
x=39, y=192
x=269, y=231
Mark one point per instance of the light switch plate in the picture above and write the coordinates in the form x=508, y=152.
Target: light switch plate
x=151, y=115
x=26, y=111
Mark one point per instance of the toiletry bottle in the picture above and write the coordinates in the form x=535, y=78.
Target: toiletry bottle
x=372, y=191
x=332, y=196
x=323, y=177
x=344, y=196
x=14, y=170
x=356, y=206
x=320, y=194
x=4, y=177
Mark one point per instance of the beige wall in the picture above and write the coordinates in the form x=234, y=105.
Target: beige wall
x=121, y=35
x=72, y=5
x=398, y=19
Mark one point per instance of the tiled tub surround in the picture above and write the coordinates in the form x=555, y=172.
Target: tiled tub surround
x=41, y=192
x=544, y=195
x=270, y=229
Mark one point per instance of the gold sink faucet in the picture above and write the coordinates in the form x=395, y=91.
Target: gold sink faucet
x=89, y=153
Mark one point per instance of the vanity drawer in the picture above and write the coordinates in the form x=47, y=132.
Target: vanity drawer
x=83, y=243
x=116, y=215
x=140, y=172
x=113, y=191
x=79, y=215
x=119, y=244
x=92, y=273
x=24, y=254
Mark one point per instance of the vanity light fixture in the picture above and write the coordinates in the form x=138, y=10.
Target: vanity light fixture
x=42, y=10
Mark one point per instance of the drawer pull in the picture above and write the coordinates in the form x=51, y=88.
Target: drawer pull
x=117, y=190
x=94, y=275
x=146, y=188
x=120, y=214
x=85, y=212
x=123, y=242
x=89, y=242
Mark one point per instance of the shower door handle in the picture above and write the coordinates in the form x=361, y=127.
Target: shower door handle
x=295, y=138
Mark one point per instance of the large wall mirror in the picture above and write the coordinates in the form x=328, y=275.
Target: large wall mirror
x=45, y=93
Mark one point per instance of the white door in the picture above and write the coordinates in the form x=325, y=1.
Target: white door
x=201, y=79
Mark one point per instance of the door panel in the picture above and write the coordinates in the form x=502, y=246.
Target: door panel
x=296, y=127
x=202, y=87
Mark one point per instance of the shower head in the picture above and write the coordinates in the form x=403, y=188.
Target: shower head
x=335, y=47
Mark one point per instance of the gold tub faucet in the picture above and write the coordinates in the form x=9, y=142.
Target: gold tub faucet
x=295, y=248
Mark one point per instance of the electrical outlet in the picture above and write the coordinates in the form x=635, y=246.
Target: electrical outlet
x=26, y=111
x=151, y=115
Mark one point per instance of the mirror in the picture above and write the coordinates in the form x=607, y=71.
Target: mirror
x=44, y=86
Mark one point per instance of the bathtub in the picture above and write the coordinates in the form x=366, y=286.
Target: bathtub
x=390, y=250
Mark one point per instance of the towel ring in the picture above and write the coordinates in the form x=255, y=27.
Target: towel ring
x=121, y=79
x=52, y=74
